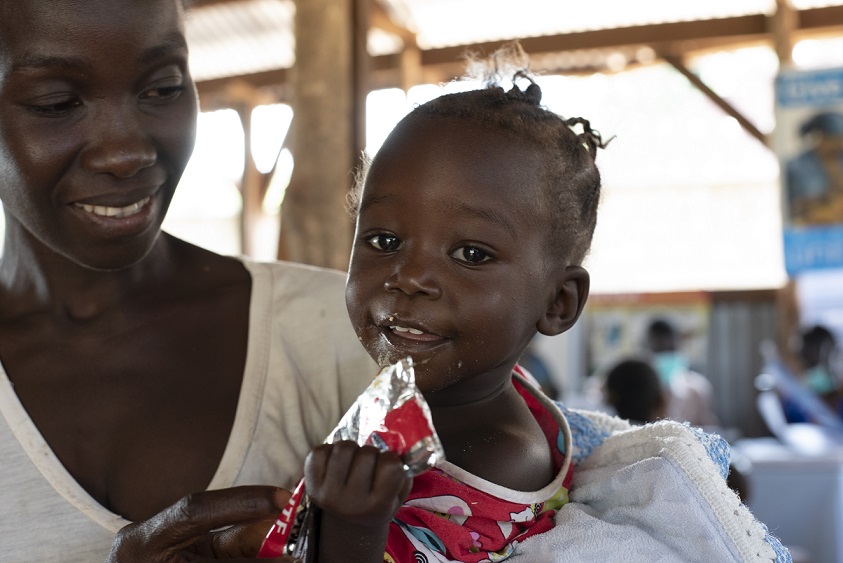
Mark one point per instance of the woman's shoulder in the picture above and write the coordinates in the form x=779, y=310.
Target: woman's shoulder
x=294, y=277
x=298, y=295
x=298, y=289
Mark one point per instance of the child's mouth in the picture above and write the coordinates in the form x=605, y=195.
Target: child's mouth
x=413, y=334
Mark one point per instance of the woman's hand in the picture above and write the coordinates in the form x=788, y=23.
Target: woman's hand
x=225, y=524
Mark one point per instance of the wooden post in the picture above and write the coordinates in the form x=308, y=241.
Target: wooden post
x=782, y=25
x=328, y=97
x=410, y=65
x=244, y=98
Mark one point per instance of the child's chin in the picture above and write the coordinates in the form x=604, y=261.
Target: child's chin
x=432, y=380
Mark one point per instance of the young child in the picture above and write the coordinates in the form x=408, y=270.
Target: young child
x=633, y=389
x=472, y=224
x=473, y=220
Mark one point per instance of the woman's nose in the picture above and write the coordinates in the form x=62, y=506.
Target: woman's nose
x=414, y=275
x=119, y=144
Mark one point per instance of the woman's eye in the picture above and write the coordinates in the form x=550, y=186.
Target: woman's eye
x=163, y=92
x=387, y=243
x=470, y=254
x=56, y=108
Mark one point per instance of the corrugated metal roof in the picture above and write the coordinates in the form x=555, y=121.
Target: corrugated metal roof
x=249, y=36
x=445, y=23
x=236, y=38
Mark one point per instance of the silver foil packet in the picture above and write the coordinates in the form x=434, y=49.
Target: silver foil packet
x=391, y=414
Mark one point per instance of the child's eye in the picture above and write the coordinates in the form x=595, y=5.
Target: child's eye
x=387, y=243
x=470, y=254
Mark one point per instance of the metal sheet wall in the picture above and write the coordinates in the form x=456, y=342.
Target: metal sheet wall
x=739, y=323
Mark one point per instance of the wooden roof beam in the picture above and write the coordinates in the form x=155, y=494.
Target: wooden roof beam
x=379, y=18
x=437, y=65
x=749, y=127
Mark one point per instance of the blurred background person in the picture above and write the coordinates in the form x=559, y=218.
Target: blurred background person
x=818, y=352
x=632, y=388
x=690, y=396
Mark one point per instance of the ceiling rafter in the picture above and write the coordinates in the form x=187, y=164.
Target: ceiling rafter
x=676, y=38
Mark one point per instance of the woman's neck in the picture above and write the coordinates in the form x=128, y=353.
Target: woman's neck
x=35, y=279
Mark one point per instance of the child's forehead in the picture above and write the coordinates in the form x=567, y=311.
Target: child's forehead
x=459, y=139
x=457, y=156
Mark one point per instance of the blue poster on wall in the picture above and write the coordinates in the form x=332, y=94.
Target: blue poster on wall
x=809, y=143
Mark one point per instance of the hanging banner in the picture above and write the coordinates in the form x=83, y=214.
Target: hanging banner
x=809, y=143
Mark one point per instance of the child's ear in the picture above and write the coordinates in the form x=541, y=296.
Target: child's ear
x=568, y=302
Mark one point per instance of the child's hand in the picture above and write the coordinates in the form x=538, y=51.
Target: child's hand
x=357, y=484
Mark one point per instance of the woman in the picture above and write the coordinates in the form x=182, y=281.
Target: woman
x=136, y=368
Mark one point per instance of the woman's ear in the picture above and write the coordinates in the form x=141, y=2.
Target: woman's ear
x=567, y=304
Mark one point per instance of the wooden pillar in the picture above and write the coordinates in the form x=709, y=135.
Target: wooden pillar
x=782, y=25
x=244, y=98
x=250, y=189
x=411, y=64
x=328, y=100
x=411, y=70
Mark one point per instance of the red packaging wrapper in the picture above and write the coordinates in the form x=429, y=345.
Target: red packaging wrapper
x=391, y=414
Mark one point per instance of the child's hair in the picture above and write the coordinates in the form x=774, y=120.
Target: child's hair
x=569, y=170
x=632, y=387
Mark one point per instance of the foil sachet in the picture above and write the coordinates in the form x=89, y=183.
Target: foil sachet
x=391, y=414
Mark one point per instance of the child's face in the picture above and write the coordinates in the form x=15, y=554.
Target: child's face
x=97, y=121
x=450, y=262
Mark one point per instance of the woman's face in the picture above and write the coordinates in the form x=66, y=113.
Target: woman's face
x=97, y=122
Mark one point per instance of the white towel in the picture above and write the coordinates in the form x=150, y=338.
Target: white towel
x=650, y=493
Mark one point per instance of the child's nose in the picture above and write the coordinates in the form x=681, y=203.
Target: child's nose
x=414, y=275
x=118, y=143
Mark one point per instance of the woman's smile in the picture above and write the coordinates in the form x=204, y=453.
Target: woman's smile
x=118, y=220
x=107, y=211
